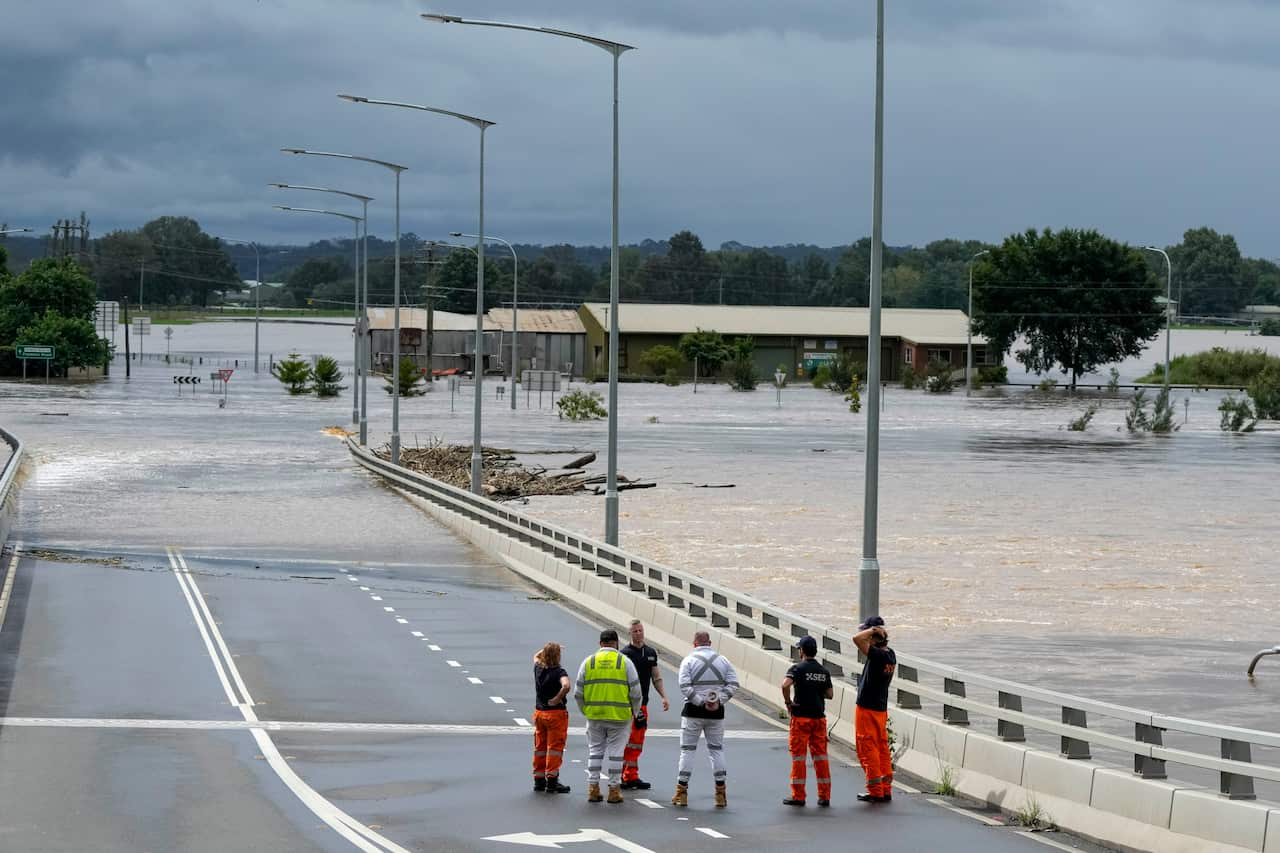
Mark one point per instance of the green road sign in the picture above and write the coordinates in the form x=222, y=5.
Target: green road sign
x=30, y=351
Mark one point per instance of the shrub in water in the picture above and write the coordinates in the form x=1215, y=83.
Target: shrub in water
x=579, y=405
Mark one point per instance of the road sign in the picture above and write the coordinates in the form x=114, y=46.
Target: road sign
x=541, y=380
x=106, y=317
x=142, y=325
x=225, y=373
x=34, y=351
x=186, y=380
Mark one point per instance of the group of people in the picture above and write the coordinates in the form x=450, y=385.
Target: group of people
x=612, y=690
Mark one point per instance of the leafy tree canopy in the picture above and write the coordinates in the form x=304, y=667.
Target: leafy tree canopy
x=49, y=284
x=74, y=339
x=1075, y=298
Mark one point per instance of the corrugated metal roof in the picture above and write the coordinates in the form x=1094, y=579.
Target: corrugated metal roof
x=562, y=321
x=383, y=319
x=921, y=325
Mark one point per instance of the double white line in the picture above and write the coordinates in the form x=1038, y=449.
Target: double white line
x=358, y=834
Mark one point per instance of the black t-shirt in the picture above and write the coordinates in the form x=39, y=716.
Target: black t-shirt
x=645, y=660
x=810, y=681
x=877, y=672
x=546, y=681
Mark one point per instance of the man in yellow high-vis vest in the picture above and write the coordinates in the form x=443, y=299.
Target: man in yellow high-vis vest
x=608, y=694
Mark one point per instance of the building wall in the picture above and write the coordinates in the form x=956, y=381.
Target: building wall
x=923, y=354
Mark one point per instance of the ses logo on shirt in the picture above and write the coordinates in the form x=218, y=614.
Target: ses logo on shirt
x=815, y=676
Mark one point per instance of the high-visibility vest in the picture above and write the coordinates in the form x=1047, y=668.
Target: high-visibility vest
x=606, y=693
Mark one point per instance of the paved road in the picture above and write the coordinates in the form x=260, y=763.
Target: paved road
x=188, y=701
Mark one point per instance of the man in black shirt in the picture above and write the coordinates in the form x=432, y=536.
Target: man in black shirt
x=812, y=685
x=871, y=715
x=645, y=659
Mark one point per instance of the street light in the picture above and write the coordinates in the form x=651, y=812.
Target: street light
x=356, y=220
x=395, y=342
x=616, y=49
x=257, y=292
x=968, y=364
x=1168, y=312
x=360, y=310
x=483, y=125
x=15, y=231
x=869, y=571
x=515, y=306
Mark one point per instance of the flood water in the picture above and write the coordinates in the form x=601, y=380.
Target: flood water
x=1005, y=541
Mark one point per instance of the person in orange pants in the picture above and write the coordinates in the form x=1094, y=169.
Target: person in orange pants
x=871, y=715
x=811, y=682
x=645, y=659
x=550, y=719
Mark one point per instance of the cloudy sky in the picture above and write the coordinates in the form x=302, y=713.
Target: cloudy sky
x=741, y=119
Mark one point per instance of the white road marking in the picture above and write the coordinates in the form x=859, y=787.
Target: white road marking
x=389, y=609
x=475, y=680
x=902, y=786
x=416, y=633
x=649, y=804
x=364, y=589
x=344, y=571
x=8, y=581
x=402, y=620
x=533, y=839
x=497, y=700
x=706, y=830
x=981, y=818
x=521, y=721
x=433, y=647
x=376, y=597
x=1038, y=836
x=339, y=821
x=453, y=663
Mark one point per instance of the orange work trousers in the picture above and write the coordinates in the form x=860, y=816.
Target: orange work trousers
x=635, y=745
x=809, y=737
x=550, y=728
x=871, y=737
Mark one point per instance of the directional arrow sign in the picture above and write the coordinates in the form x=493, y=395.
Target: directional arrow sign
x=532, y=839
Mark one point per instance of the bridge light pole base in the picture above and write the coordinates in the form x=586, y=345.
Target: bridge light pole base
x=868, y=588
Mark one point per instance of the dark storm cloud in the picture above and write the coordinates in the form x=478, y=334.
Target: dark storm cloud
x=741, y=120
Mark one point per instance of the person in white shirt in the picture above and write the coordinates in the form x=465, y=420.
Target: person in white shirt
x=707, y=682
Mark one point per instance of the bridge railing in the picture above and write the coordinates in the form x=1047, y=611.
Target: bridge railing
x=8, y=478
x=1072, y=726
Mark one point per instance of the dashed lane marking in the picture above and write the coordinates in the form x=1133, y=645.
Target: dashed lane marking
x=364, y=588
x=649, y=804
x=416, y=633
x=521, y=721
x=389, y=609
x=453, y=663
x=402, y=620
x=475, y=680
x=433, y=647
x=376, y=597
x=497, y=700
x=706, y=830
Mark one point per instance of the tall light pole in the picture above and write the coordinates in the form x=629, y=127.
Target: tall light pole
x=14, y=231
x=356, y=220
x=395, y=343
x=515, y=307
x=1168, y=312
x=257, y=292
x=359, y=310
x=483, y=125
x=869, y=571
x=616, y=49
x=968, y=364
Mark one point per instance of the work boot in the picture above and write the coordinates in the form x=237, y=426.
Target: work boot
x=636, y=785
x=615, y=794
x=540, y=784
x=722, y=799
x=554, y=786
x=681, y=797
x=792, y=801
x=593, y=793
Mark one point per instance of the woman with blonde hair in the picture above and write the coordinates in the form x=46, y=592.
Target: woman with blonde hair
x=550, y=719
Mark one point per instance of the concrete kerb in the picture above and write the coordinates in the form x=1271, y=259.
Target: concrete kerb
x=1124, y=811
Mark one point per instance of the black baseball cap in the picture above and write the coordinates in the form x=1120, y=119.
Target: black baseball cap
x=871, y=622
x=808, y=645
x=608, y=635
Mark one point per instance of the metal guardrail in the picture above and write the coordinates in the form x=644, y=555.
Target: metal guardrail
x=1260, y=655
x=7, y=477
x=946, y=689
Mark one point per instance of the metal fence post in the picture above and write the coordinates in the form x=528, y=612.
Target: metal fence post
x=1075, y=747
x=1234, y=786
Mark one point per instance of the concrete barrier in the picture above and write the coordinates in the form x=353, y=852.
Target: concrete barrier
x=8, y=484
x=1101, y=803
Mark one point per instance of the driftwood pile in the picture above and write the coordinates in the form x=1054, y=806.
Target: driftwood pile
x=504, y=478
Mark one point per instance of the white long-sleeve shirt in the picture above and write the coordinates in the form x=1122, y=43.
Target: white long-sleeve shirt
x=705, y=672
x=633, y=682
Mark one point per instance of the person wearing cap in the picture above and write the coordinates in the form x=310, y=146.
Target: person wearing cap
x=607, y=691
x=871, y=713
x=707, y=681
x=811, y=683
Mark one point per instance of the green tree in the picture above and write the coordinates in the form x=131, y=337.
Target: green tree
x=706, y=349
x=743, y=375
x=327, y=377
x=410, y=378
x=1077, y=300
x=189, y=263
x=294, y=372
x=1265, y=393
x=118, y=260
x=1208, y=276
x=660, y=359
x=316, y=275
x=74, y=339
x=49, y=284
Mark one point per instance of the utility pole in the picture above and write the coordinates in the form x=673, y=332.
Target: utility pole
x=127, y=356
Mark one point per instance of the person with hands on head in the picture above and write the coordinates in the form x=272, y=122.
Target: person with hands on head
x=811, y=683
x=871, y=713
x=645, y=659
x=550, y=719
